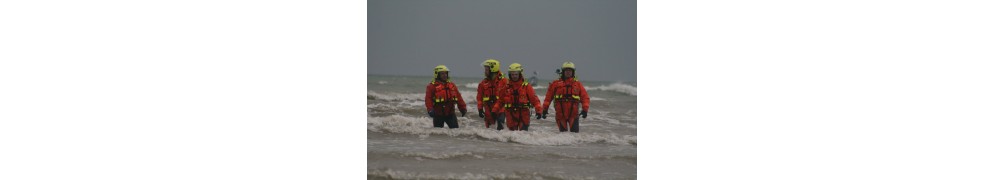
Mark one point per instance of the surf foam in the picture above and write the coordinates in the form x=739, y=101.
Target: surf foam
x=616, y=87
x=395, y=96
x=423, y=127
x=471, y=85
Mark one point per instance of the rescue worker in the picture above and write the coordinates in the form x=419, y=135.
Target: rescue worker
x=442, y=97
x=568, y=94
x=517, y=100
x=488, y=95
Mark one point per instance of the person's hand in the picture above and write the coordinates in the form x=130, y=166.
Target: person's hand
x=430, y=113
x=583, y=113
x=538, y=115
x=481, y=113
x=545, y=114
x=463, y=112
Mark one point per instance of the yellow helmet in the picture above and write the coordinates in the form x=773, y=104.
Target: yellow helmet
x=440, y=68
x=568, y=64
x=436, y=72
x=515, y=67
x=492, y=64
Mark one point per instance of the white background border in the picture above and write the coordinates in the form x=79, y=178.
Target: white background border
x=729, y=90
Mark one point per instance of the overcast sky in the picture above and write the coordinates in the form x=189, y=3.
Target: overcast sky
x=410, y=37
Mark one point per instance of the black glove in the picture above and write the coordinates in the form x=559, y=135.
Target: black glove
x=463, y=112
x=538, y=115
x=583, y=113
x=481, y=113
x=545, y=114
x=430, y=113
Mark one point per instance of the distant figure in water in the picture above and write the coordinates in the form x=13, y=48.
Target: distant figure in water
x=442, y=97
x=488, y=95
x=517, y=100
x=533, y=79
x=568, y=94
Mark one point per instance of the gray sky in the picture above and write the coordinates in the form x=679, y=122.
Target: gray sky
x=410, y=37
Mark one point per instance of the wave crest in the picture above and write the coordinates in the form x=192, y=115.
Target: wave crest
x=471, y=85
x=395, y=96
x=616, y=87
x=423, y=127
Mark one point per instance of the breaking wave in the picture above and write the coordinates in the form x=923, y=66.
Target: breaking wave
x=616, y=87
x=469, y=96
x=471, y=85
x=423, y=127
x=395, y=96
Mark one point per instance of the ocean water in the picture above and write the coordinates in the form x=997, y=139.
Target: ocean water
x=402, y=143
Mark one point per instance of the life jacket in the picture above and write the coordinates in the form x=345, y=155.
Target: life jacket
x=444, y=93
x=516, y=96
x=489, y=90
x=444, y=98
x=567, y=90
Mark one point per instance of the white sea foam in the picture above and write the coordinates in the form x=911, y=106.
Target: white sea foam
x=381, y=82
x=471, y=85
x=381, y=106
x=395, y=96
x=603, y=118
x=616, y=87
x=469, y=96
x=423, y=126
x=413, y=104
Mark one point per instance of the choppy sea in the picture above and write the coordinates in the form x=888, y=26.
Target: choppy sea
x=402, y=143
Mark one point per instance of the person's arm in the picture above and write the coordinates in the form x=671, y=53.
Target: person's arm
x=460, y=99
x=584, y=98
x=478, y=95
x=429, y=97
x=548, y=96
x=533, y=98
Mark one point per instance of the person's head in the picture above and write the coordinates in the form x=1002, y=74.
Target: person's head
x=491, y=67
x=568, y=70
x=515, y=71
x=441, y=73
